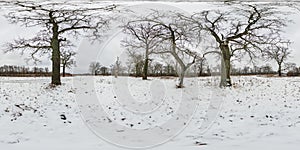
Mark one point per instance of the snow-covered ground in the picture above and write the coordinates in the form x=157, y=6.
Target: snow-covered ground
x=256, y=113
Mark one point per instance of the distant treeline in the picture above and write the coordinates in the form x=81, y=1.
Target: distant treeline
x=22, y=71
x=290, y=69
x=197, y=70
x=13, y=70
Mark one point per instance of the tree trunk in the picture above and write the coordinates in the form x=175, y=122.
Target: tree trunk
x=136, y=70
x=116, y=68
x=201, y=67
x=279, y=70
x=179, y=61
x=145, y=69
x=181, y=77
x=200, y=73
x=116, y=72
x=176, y=69
x=225, y=65
x=200, y=70
x=55, y=66
x=64, y=70
x=55, y=57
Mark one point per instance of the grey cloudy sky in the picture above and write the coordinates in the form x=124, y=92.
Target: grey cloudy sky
x=107, y=51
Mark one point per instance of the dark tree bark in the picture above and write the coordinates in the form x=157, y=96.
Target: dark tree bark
x=146, y=63
x=145, y=69
x=55, y=46
x=64, y=70
x=225, y=65
x=279, y=70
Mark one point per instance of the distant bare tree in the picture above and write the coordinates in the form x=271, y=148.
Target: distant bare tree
x=292, y=69
x=135, y=62
x=104, y=70
x=266, y=69
x=158, y=69
x=57, y=22
x=279, y=52
x=67, y=61
x=46, y=70
x=116, y=67
x=94, y=68
x=200, y=64
x=290, y=66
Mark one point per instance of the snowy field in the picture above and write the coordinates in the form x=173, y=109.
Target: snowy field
x=256, y=113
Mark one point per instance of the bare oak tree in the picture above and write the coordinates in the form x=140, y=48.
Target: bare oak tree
x=57, y=23
x=94, y=68
x=143, y=36
x=176, y=39
x=200, y=64
x=66, y=60
x=136, y=61
x=279, y=52
x=246, y=28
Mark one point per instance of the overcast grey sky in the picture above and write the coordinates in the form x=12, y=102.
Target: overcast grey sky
x=107, y=51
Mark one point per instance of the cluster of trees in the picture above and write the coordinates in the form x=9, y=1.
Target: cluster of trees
x=97, y=69
x=67, y=61
x=290, y=68
x=136, y=70
x=255, y=70
x=165, y=67
x=12, y=70
x=240, y=30
x=198, y=69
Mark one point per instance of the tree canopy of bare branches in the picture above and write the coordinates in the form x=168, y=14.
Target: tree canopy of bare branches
x=279, y=52
x=242, y=28
x=67, y=60
x=57, y=23
x=94, y=68
x=174, y=36
x=143, y=35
